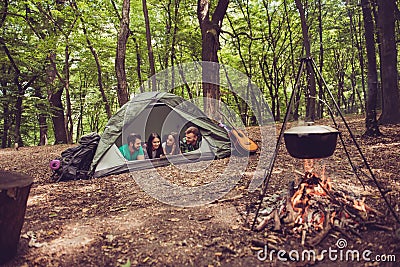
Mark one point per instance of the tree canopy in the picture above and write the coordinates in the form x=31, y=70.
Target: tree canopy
x=58, y=59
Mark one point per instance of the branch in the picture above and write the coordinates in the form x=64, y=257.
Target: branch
x=53, y=64
x=203, y=12
x=116, y=10
x=33, y=78
x=242, y=33
x=220, y=12
x=8, y=53
x=4, y=12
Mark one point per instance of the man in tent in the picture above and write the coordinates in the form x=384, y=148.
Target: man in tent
x=133, y=149
x=191, y=141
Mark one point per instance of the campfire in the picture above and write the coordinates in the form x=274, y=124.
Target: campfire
x=312, y=208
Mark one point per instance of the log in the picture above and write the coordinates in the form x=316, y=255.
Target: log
x=14, y=192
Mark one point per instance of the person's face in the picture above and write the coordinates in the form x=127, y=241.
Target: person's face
x=155, y=143
x=170, y=140
x=135, y=146
x=191, y=138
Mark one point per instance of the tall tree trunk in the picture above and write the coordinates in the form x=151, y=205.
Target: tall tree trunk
x=6, y=107
x=292, y=61
x=320, y=106
x=79, y=126
x=242, y=105
x=56, y=105
x=99, y=78
x=371, y=123
x=310, y=111
x=168, y=28
x=123, y=34
x=56, y=98
x=69, y=126
x=3, y=83
x=138, y=63
x=6, y=121
x=42, y=117
x=98, y=66
x=389, y=73
x=210, y=31
x=149, y=46
x=173, y=43
x=361, y=58
x=20, y=93
x=355, y=35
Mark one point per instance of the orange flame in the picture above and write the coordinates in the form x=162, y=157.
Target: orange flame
x=311, y=184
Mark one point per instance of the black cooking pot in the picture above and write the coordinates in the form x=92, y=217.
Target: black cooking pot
x=311, y=141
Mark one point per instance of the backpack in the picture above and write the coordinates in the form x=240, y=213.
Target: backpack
x=74, y=163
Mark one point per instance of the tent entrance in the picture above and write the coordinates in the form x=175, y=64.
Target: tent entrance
x=161, y=119
x=161, y=113
x=158, y=118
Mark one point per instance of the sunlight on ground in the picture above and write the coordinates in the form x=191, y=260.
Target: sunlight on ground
x=78, y=235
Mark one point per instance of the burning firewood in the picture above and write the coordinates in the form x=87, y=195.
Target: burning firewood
x=266, y=220
x=321, y=235
x=312, y=210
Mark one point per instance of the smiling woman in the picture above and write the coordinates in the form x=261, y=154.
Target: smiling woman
x=154, y=149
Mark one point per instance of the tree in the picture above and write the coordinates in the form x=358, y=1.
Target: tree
x=371, y=123
x=98, y=65
x=210, y=32
x=90, y=72
x=42, y=116
x=310, y=111
x=59, y=19
x=358, y=55
x=3, y=83
x=389, y=72
x=320, y=107
x=21, y=81
x=149, y=46
x=123, y=34
x=21, y=91
x=55, y=99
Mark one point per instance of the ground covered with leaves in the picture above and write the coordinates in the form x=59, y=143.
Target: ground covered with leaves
x=111, y=221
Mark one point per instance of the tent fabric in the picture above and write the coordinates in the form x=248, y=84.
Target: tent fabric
x=159, y=112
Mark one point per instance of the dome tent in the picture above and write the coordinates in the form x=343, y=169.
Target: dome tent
x=162, y=113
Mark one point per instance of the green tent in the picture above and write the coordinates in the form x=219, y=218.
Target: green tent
x=162, y=113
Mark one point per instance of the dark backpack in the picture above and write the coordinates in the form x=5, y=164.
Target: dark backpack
x=74, y=163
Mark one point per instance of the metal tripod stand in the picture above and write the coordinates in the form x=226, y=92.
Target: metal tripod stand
x=310, y=64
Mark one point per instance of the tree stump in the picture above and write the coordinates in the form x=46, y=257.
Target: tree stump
x=14, y=192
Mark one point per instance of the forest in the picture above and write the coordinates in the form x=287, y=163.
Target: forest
x=67, y=66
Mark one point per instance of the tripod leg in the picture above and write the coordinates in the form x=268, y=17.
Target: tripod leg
x=380, y=189
x=268, y=171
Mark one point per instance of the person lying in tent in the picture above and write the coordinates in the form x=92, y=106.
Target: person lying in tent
x=191, y=141
x=133, y=149
x=171, y=145
x=154, y=149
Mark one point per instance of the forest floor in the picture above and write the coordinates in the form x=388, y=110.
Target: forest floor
x=111, y=221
